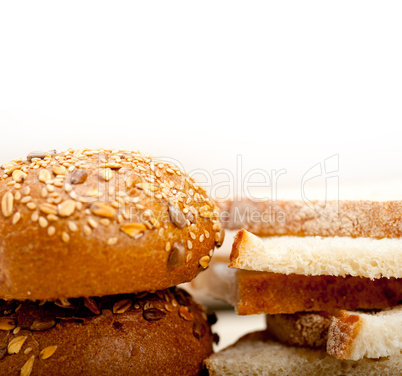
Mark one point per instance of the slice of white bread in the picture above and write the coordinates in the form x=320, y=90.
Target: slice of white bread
x=374, y=219
x=270, y=293
x=354, y=335
x=257, y=354
x=336, y=256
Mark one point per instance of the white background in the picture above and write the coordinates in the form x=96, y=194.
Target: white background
x=283, y=84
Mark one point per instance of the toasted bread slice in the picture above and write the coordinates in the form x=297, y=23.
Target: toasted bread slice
x=258, y=355
x=270, y=293
x=336, y=256
x=374, y=219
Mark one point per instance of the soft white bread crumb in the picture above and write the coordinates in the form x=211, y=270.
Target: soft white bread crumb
x=310, y=255
x=257, y=355
x=354, y=335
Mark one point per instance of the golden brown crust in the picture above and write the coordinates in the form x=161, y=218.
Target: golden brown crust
x=271, y=293
x=344, y=329
x=373, y=219
x=158, y=334
x=100, y=222
x=237, y=241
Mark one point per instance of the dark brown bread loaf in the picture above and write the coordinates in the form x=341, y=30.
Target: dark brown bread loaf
x=100, y=222
x=165, y=333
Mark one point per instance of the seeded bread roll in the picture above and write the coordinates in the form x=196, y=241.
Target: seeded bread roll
x=165, y=333
x=100, y=222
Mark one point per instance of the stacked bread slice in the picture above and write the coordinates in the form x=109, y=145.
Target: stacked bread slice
x=329, y=279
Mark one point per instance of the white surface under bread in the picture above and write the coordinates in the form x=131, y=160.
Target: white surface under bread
x=231, y=327
x=314, y=255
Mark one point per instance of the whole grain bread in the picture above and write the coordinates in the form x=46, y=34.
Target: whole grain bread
x=257, y=354
x=374, y=219
x=165, y=333
x=100, y=222
x=313, y=255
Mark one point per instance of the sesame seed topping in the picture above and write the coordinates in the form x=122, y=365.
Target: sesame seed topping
x=7, y=204
x=27, y=350
x=65, y=237
x=59, y=170
x=216, y=226
x=18, y=176
x=112, y=241
x=72, y=226
x=26, y=199
x=16, y=218
x=106, y=174
x=31, y=205
x=43, y=222
x=52, y=218
x=48, y=208
x=87, y=230
x=104, y=221
x=204, y=261
x=44, y=176
x=66, y=208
